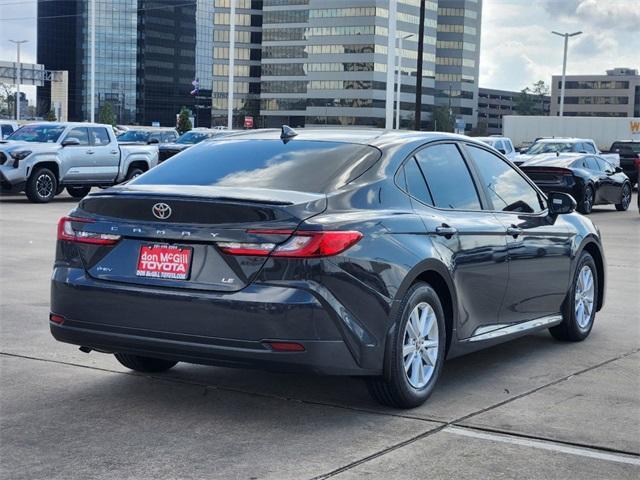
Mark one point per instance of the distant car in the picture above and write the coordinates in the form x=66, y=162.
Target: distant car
x=7, y=128
x=565, y=145
x=590, y=179
x=629, y=152
x=503, y=145
x=148, y=135
x=188, y=139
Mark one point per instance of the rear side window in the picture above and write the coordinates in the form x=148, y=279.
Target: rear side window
x=415, y=182
x=507, y=189
x=591, y=163
x=507, y=146
x=80, y=133
x=588, y=148
x=6, y=130
x=448, y=177
x=298, y=165
x=99, y=136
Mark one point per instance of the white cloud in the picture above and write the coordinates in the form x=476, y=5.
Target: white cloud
x=519, y=49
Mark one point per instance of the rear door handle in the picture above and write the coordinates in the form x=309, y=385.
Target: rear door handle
x=90, y=152
x=446, y=231
x=514, y=231
x=114, y=152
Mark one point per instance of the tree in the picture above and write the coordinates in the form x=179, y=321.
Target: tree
x=51, y=116
x=481, y=129
x=106, y=115
x=540, y=90
x=525, y=103
x=443, y=120
x=184, y=122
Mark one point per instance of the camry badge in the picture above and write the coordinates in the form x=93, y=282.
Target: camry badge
x=161, y=211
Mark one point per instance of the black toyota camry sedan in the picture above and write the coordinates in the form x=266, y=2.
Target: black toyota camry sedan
x=589, y=179
x=351, y=252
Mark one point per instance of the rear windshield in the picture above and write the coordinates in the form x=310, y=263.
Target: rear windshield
x=298, y=165
x=634, y=147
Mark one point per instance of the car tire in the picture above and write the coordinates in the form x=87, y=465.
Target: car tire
x=409, y=386
x=78, y=192
x=133, y=173
x=579, y=308
x=586, y=202
x=626, y=198
x=41, y=186
x=144, y=364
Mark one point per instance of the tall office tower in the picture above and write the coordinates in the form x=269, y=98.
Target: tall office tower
x=147, y=54
x=458, y=58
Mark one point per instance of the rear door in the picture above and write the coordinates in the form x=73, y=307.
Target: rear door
x=78, y=160
x=539, y=247
x=106, y=155
x=470, y=239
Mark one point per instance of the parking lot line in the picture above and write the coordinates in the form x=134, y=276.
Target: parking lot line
x=544, y=445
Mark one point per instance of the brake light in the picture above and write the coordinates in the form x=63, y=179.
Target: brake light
x=286, y=346
x=301, y=244
x=67, y=233
x=552, y=170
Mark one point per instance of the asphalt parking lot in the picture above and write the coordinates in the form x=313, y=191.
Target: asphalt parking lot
x=532, y=408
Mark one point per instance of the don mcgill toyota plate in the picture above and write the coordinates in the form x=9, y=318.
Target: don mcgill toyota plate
x=164, y=261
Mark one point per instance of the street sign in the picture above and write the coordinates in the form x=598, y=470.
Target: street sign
x=248, y=122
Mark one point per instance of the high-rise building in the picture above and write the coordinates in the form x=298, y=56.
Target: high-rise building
x=494, y=104
x=148, y=53
x=458, y=58
x=616, y=94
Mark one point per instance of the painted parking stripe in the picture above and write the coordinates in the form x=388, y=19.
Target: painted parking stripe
x=544, y=445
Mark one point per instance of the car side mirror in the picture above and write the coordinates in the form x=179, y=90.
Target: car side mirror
x=618, y=170
x=153, y=141
x=560, y=203
x=70, y=142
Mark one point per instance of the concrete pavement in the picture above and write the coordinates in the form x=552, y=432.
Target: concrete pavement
x=532, y=408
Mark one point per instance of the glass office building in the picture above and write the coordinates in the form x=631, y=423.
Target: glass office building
x=458, y=58
x=148, y=53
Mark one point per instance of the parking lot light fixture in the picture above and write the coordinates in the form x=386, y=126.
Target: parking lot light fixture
x=564, y=64
x=18, y=76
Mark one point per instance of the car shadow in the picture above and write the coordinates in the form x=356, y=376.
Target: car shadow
x=23, y=199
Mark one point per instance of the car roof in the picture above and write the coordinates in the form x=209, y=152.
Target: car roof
x=551, y=159
x=563, y=140
x=375, y=137
x=69, y=124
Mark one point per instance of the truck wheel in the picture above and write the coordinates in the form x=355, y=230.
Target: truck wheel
x=41, y=186
x=78, y=192
x=133, y=173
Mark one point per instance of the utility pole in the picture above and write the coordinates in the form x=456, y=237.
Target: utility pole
x=232, y=61
x=92, y=40
x=417, y=123
x=564, y=64
x=391, y=62
x=19, y=76
x=400, y=78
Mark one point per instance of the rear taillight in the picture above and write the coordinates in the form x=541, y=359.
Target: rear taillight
x=67, y=233
x=301, y=244
x=636, y=162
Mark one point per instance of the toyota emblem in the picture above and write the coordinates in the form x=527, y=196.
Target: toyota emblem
x=161, y=211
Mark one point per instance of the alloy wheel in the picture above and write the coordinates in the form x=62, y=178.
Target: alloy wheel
x=420, y=345
x=584, y=296
x=588, y=200
x=44, y=185
x=626, y=196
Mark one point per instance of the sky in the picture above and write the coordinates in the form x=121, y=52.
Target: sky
x=517, y=47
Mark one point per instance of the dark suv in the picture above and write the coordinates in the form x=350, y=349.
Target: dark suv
x=629, y=152
x=364, y=252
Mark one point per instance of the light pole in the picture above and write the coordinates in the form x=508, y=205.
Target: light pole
x=92, y=40
x=232, y=61
x=391, y=62
x=400, y=39
x=564, y=64
x=19, y=76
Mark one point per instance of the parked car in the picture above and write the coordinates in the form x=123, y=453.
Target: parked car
x=590, y=179
x=188, y=139
x=501, y=144
x=148, y=135
x=7, y=127
x=42, y=159
x=350, y=252
x=629, y=151
x=565, y=145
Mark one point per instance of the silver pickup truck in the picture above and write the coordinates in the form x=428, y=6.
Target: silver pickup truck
x=42, y=159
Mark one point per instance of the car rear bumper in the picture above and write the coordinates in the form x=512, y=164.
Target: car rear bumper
x=226, y=329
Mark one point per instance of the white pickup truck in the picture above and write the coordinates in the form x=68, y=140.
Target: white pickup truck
x=565, y=145
x=42, y=159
